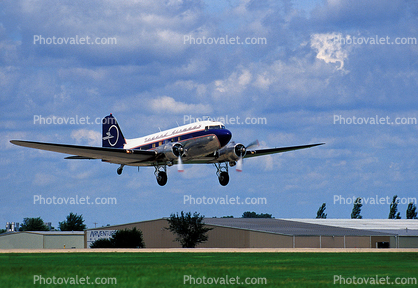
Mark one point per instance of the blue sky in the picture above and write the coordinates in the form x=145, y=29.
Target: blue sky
x=299, y=81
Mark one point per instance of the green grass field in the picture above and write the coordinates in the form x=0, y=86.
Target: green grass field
x=172, y=269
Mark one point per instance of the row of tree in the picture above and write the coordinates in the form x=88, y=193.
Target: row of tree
x=73, y=222
x=411, y=211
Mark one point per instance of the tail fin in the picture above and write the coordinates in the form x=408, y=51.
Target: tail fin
x=111, y=134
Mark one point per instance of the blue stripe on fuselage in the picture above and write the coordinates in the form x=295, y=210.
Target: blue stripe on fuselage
x=223, y=135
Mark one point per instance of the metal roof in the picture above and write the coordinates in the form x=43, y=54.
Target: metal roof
x=401, y=227
x=291, y=227
x=46, y=232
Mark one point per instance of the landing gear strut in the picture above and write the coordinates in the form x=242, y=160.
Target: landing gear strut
x=161, y=174
x=120, y=169
x=222, y=173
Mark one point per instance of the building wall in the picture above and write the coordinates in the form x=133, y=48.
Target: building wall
x=21, y=241
x=263, y=240
x=58, y=241
x=332, y=242
x=408, y=242
x=376, y=239
x=223, y=237
x=154, y=233
x=156, y=236
x=307, y=242
x=357, y=241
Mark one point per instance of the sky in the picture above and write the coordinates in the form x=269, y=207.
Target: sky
x=327, y=71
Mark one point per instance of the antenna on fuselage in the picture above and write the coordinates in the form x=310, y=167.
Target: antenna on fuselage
x=177, y=124
x=159, y=129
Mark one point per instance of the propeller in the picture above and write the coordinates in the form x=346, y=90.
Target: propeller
x=178, y=150
x=241, y=150
x=180, y=164
x=253, y=144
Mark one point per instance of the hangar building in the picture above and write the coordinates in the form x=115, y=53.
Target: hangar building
x=42, y=240
x=280, y=233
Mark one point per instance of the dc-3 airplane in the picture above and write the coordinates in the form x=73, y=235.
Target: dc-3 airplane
x=202, y=142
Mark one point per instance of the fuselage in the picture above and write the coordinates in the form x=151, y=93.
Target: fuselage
x=198, y=139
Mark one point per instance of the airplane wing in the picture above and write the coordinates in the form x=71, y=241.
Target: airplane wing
x=112, y=155
x=261, y=152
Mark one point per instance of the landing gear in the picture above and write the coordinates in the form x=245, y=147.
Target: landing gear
x=161, y=174
x=224, y=178
x=222, y=173
x=120, y=169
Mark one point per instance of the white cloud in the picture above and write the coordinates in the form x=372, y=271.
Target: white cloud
x=329, y=49
x=236, y=83
x=93, y=138
x=168, y=104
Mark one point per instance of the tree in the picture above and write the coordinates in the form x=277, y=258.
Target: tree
x=33, y=224
x=411, y=211
x=355, y=213
x=127, y=238
x=102, y=243
x=74, y=222
x=249, y=214
x=190, y=229
x=321, y=212
x=393, y=213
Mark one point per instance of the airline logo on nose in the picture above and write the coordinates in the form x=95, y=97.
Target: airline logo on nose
x=112, y=133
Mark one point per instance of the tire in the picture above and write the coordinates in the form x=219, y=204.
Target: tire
x=162, y=178
x=224, y=178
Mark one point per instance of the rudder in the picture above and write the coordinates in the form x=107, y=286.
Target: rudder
x=111, y=133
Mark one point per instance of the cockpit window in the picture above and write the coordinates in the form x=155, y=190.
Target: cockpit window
x=214, y=127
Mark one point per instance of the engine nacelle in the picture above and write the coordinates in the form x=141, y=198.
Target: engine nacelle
x=231, y=152
x=171, y=150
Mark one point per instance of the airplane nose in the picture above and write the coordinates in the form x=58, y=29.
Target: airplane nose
x=224, y=136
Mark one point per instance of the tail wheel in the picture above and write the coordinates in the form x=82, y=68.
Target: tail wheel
x=120, y=169
x=224, y=178
x=162, y=178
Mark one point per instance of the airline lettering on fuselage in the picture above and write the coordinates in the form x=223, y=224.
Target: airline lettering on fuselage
x=174, y=132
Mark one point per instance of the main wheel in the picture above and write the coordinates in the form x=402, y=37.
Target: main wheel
x=224, y=178
x=162, y=178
